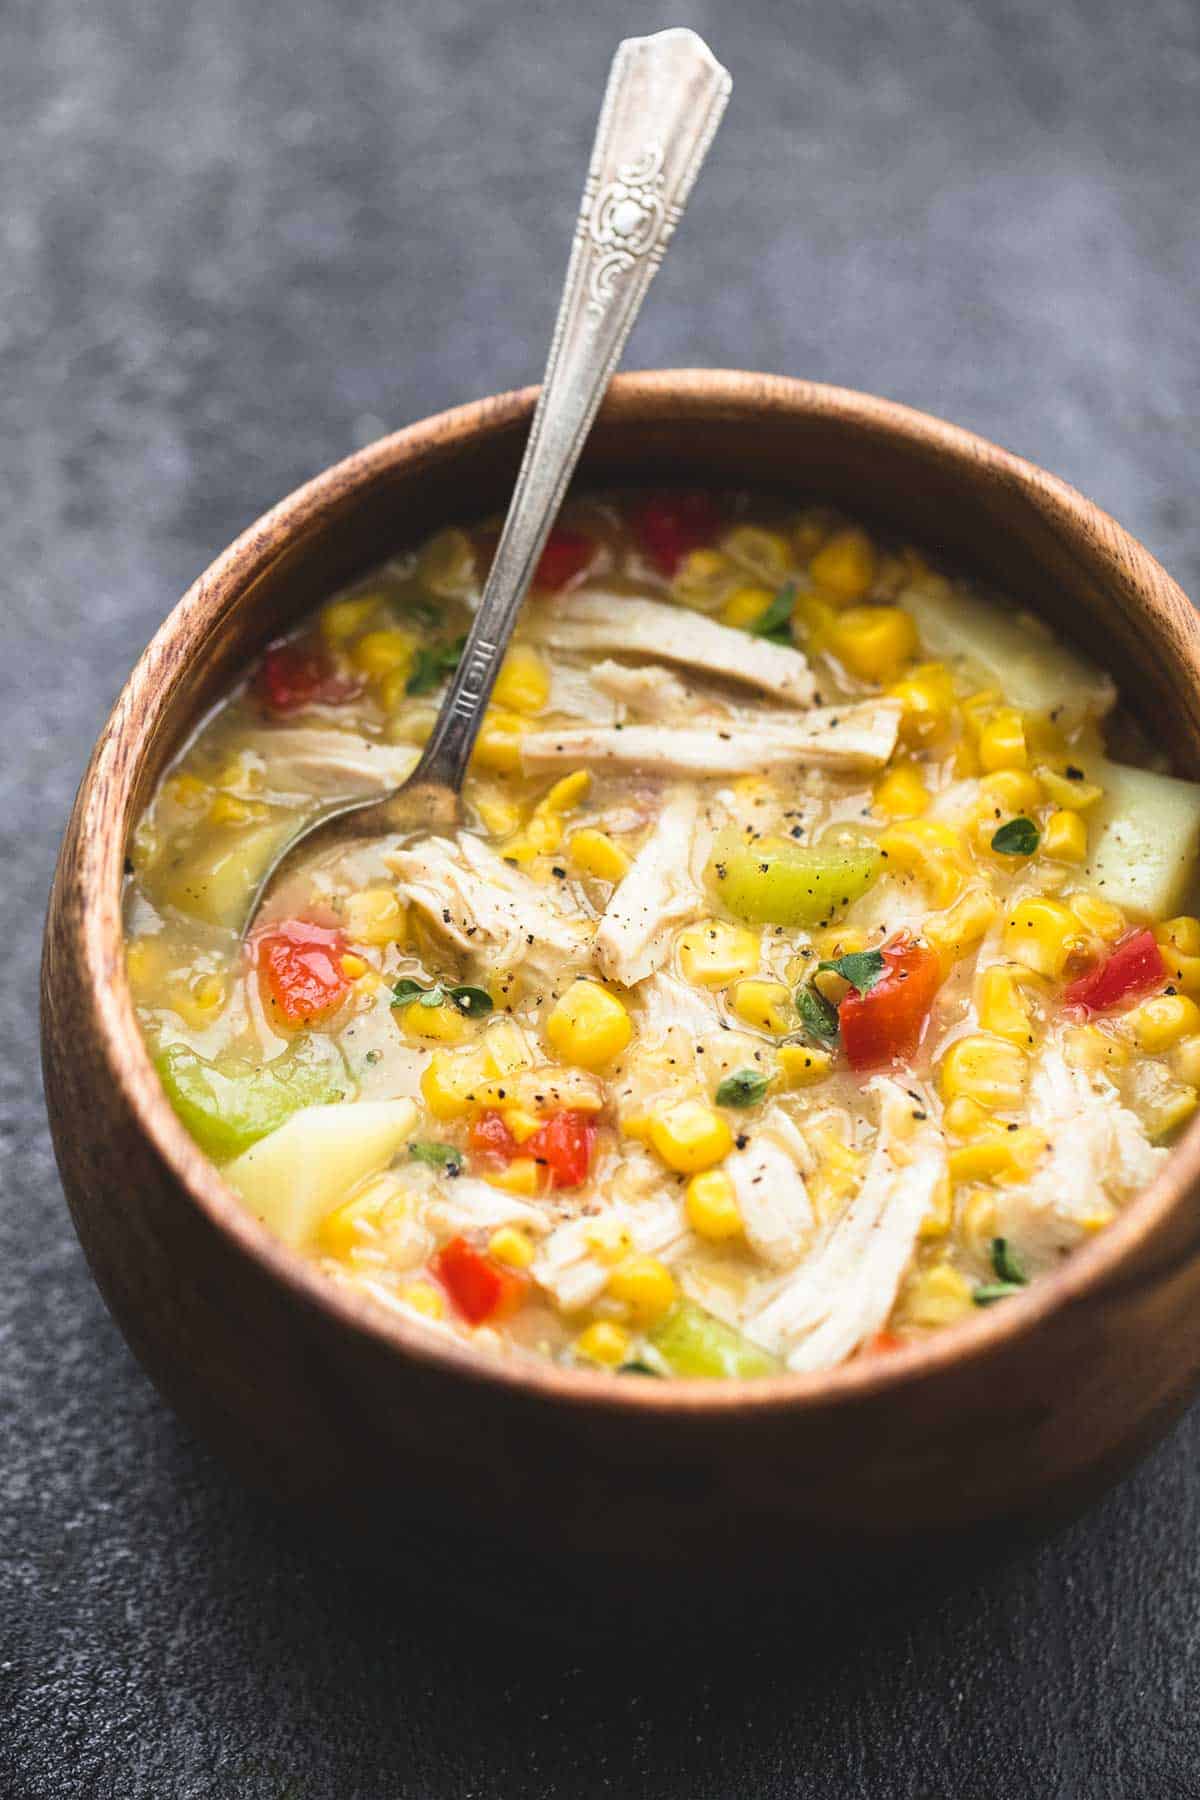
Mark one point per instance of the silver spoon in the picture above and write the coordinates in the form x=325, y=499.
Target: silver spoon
x=662, y=106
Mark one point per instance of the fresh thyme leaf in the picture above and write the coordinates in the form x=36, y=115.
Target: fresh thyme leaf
x=405, y=990
x=637, y=1368
x=817, y=1015
x=433, y=662
x=1007, y=1268
x=745, y=1087
x=475, y=1002
x=1018, y=838
x=439, y=1156
x=776, y=621
x=996, y=1290
x=861, y=968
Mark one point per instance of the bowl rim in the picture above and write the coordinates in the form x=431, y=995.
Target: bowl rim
x=103, y=816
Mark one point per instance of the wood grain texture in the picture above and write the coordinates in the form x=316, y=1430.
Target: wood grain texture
x=322, y=1400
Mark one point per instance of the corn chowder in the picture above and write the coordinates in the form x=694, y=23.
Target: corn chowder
x=814, y=966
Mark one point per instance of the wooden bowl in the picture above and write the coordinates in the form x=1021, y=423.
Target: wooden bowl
x=321, y=1399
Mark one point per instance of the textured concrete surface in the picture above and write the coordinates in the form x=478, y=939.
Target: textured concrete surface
x=238, y=240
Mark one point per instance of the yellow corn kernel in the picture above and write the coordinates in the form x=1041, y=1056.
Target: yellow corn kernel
x=874, y=642
x=375, y=916
x=504, y=1049
x=594, y=853
x=414, y=724
x=900, y=793
x=838, y=1174
x=1170, y=1110
x=976, y=710
x=690, y=1135
x=523, y=684
x=1077, y=794
x=521, y=1123
x=1002, y=741
x=353, y=966
x=1182, y=934
x=199, y=1001
x=1014, y=790
x=845, y=564
x=188, y=791
x=746, y=606
x=145, y=962
x=937, y=1296
x=702, y=579
x=512, y=1246
x=1090, y=1047
x=767, y=1005
x=454, y=1084
x=384, y=652
x=228, y=809
x=940, y=1217
x=637, y=1126
x=523, y=1175
x=809, y=531
x=1179, y=941
x=1064, y=837
x=604, y=1343
x=930, y=850
x=566, y=793
x=998, y=1155
x=1043, y=935
x=713, y=953
x=964, y=764
x=349, y=1226
x=588, y=1025
x=710, y=1202
x=1159, y=1024
x=813, y=616
x=644, y=1285
x=801, y=1064
x=425, y=1299
x=986, y=1070
x=767, y=553
x=963, y=1118
x=341, y=619
x=1100, y=917
x=1186, y=1061
x=1002, y=1008
x=499, y=818
x=927, y=695
x=498, y=746
x=977, y=1222
x=609, y=1240
x=963, y=925
x=442, y=1024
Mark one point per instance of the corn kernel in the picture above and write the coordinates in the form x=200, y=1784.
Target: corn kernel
x=523, y=684
x=900, y=793
x=1170, y=1110
x=604, y=1343
x=690, y=1136
x=1011, y=1155
x=498, y=745
x=1002, y=1008
x=962, y=925
x=809, y=531
x=1013, y=789
x=1179, y=941
x=986, y=1070
x=936, y=1296
x=931, y=851
x=1043, y=935
x=1186, y=1061
x=442, y=1024
x=845, y=564
x=874, y=642
x=188, y=791
x=454, y=1084
x=940, y=1217
x=609, y=1239
x=927, y=695
x=594, y=853
x=1064, y=837
x=353, y=966
x=802, y=1064
x=424, y=1299
x=1002, y=741
x=644, y=1285
x=228, y=809
x=813, y=616
x=838, y=1173
x=1100, y=917
x=1182, y=934
x=767, y=1005
x=702, y=578
x=352, y=1224
x=375, y=916
x=710, y=1202
x=566, y=793
x=767, y=553
x=1059, y=787
x=521, y=1123
x=714, y=953
x=746, y=606
x=1090, y=1047
x=523, y=1175
x=199, y=1001
x=341, y=619
x=499, y=818
x=383, y=652
x=963, y=1118
x=505, y=1050
x=512, y=1246
x=1159, y=1024
x=588, y=1025
x=977, y=1222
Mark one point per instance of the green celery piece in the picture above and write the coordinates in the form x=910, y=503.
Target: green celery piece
x=690, y=1341
x=777, y=882
x=229, y=1105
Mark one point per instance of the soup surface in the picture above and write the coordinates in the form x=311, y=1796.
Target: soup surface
x=812, y=969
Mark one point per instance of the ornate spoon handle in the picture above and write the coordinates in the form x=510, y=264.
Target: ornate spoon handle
x=662, y=106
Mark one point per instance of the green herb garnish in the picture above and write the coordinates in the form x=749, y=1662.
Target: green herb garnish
x=1007, y=1268
x=439, y=1156
x=776, y=622
x=1018, y=838
x=433, y=662
x=861, y=968
x=434, y=997
x=406, y=989
x=996, y=1290
x=817, y=1015
x=475, y=1002
x=745, y=1087
x=638, y=1368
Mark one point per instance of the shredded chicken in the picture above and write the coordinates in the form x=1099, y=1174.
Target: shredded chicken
x=649, y=690
x=322, y=762
x=465, y=1204
x=667, y=1002
x=658, y=894
x=601, y=621
x=573, y=1265
x=577, y=694
x=846, y=1286
x=847, y=738
x=768, y=1178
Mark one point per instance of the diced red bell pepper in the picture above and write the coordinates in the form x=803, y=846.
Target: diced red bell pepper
x=1132, y=968
x=490, y=1137
x=300, y=965
x=667, y=526
x=885, y=1023
x=291, y=676
x=567, y=554
x=882, y=1343
x=564, y=1144
x=480, y=1288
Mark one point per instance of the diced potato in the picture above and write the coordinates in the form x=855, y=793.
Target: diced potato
x=292, y=1178
x=214, y=881
x=1145, y=839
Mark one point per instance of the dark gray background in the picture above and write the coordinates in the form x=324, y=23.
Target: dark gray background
x=240, y=239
